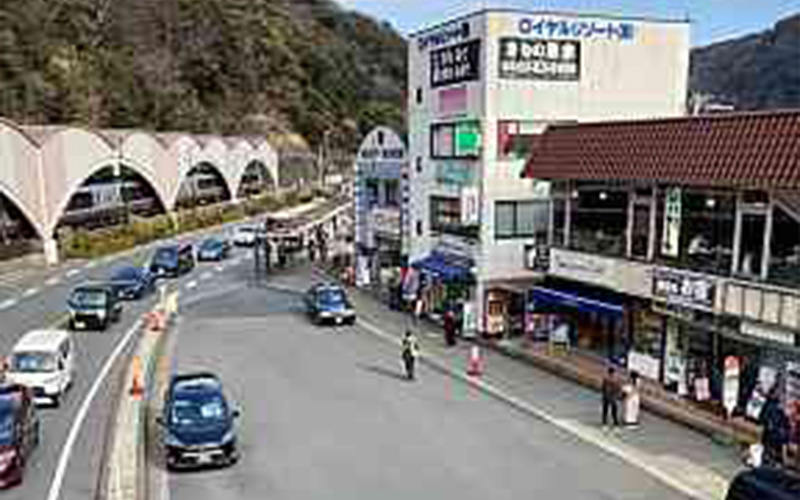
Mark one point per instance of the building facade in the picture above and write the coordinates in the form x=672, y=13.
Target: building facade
x=674, y=250
x=481, y=87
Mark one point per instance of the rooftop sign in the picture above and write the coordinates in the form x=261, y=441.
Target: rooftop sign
x=556, y=27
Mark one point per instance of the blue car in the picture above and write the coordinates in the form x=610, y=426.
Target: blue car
x=198, y=423
x=213, y=249
x=132, y=283
x=329, y=304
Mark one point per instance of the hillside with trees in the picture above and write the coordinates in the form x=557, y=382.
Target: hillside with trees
x=214, y=66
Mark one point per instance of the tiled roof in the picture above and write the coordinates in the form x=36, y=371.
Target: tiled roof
x=739, y=149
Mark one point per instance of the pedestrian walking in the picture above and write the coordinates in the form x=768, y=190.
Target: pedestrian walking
x=631, y=401
x=775, y=431
x=410, y=353
x=611, y=395
x=450, y=328
x=311, y=251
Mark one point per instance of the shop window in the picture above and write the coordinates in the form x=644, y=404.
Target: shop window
x=599, y=220
x=559, y=221
x=515, y=139
x=641, y=230
x=455, y=140
x=521, y=219
x=752, y=245
x=703, y=231
x=445, y=214
x=784, y=263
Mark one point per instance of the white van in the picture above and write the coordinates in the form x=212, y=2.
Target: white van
x=43, y=360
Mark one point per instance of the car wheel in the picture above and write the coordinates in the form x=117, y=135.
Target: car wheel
x=57, y=401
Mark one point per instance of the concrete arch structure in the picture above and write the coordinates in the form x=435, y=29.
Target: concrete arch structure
x=41, y=167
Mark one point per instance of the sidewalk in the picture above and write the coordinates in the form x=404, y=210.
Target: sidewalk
x=659, y=445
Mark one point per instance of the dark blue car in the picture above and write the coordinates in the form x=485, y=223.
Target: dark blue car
x=213, y=249
x=132, y=282
x=329, y=304
x=198, y=423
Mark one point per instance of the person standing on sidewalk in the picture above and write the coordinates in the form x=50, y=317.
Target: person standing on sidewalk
x=775, y=431
x=611, y=395
x=450, y=328
x=631, y=401
x=410, y=353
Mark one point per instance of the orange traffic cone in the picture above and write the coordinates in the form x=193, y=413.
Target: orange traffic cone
x=475, y=363
x=137, y=384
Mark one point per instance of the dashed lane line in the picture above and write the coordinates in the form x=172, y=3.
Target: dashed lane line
x=30, y=292
x=220, y=267
x=7, y=304
x=73, y=272
x=55, y=280
x=585, y=433
x=191, y=285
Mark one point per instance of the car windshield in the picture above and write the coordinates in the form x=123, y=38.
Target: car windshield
x=198, y=409
x=33, y=362
x=126, y=274
x=6, y=423
x=86, y=297
x=165, y=256
x=247, y=229
x=211, y=244
x=332, y=297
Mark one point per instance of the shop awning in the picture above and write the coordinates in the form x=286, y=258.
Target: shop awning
x=542, y=296
x=444, y=267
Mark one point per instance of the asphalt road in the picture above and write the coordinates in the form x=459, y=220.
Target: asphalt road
x=42, y=303
x=326, y=414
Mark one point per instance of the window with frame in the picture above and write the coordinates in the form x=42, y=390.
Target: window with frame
x=521, y=219
x=445, y=213
x=456, y=140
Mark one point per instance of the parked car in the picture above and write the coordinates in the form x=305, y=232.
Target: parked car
x=245, y=236
x=198, y=423
x=173, y=260
x=19, y=432
x=765, y=483
x=93, y=307
x=329, y=304
x=213, y=249
x=43, y=361
x=132, y=282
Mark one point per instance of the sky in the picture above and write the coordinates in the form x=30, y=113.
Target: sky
x=712, y=20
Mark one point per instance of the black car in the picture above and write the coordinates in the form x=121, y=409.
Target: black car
x=213, y=249
x=329, y=304
x=132, y=282
x=198, y=423
x=19, y=432
x=93, y=307
x=173, y=260
x=765, y=483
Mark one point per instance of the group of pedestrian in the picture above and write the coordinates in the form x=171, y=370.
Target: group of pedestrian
x=616, y=393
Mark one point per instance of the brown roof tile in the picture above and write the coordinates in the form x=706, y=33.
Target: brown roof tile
x=740, y=149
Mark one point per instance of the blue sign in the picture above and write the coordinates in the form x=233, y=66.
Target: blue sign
x=576, y=28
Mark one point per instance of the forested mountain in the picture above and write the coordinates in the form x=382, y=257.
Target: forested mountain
x=221, y=66
x=760, y=71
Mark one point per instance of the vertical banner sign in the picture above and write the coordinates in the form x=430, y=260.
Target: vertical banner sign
x=670, y=243
x=469, y=205
x=730, y=386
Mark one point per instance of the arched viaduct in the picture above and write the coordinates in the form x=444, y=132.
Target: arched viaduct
x=41, y=167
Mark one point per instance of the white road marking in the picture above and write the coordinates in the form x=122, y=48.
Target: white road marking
x=8, y=303
x=192, y=284
x=590, y=435
x=74, y=431
x=30, y=292
x=206, y=275
x=73, y=272
x=55, y=280
x=220, y=268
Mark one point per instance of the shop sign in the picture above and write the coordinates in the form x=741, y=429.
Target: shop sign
x=767, y=333
x=454, y=173
x=455, y=64
x=444, y=36
x=670, y=242
x=684, y=289
x=554, y=27
x=533, y=59
x=643, y=364
x=470, y=205
x=616, y=274
x=730, y=386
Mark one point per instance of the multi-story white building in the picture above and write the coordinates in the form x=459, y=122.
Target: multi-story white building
x=481, y=88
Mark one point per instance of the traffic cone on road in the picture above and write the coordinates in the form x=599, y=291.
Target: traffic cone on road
x=475, y=363
x=137, y=383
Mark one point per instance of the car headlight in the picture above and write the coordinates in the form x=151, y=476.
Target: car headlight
x=172, y=440
x=228, y=437
x=325, y=314
x=101, y=314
